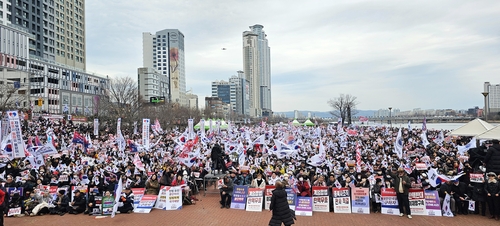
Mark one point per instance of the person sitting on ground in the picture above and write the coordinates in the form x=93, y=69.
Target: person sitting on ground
x=43, y=203
x=79, y=204
x=226, y=192
x=127, y=199
x=60, y=203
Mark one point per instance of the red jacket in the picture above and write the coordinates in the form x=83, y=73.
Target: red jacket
x=2, y=196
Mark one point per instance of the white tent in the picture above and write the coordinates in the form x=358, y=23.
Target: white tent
x=472, y=128
x=490, y=134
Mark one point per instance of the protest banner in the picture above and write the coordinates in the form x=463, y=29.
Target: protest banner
x=255, y=199
x=341, y=200
x=138, y=193
x=16, y=135
x=291, y=196
x=432, y=204
x=303, y=206
x=161, y=202
x=174, y=198
x=389, y=201
x=268, y=193
x=417, y=202
x=239, y=198
x=321, y=200
x=107, y=205
x=146, y=204
x=97, y=210
x=14, y=211
x=476, y=178
x=360, y=200
x=420, y=166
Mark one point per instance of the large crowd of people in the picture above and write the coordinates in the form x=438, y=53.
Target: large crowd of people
x=252, y=155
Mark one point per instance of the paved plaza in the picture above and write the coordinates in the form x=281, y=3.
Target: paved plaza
x=207, y=212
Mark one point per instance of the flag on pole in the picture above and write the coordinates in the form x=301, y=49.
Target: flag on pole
x=398, y=145
x=118, y=195
x=424, y=125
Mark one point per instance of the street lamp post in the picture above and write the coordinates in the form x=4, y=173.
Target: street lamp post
x=485, y=110
x=390, y=116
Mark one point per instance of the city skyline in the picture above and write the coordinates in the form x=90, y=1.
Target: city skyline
x=401, y=54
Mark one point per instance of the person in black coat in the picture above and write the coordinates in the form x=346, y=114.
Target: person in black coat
x=216, y=156
x=127, y=199
x=280, y=208
x=492, y=189
x=492, y=159
x=459, y=190
x=79, y=204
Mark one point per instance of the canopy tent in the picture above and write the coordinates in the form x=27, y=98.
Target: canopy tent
x=223, y=125
x=295, y=123
x=490, y=134
x=308, y=123
x=472, y=128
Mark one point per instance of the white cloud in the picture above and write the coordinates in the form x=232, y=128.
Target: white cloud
x=421, y=54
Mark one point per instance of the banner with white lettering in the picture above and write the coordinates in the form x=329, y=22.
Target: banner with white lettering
x=417, y=202
x=145, y=133
x=341, y=200
x=291, y=196
x=202, y=127
x=138, y=193
x=360, y=200
x=389, y=201
x=303, y=206
x=96, y=127
x=255, y=199
x=146, y=204
x=268, y=194
x=476, y=178
x=321, y=200
x=432, y=203
x=17, y=136
x=190, y=129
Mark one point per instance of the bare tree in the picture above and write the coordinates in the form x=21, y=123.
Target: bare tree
x=10, y=97
x=122, y=100
x=344, y=107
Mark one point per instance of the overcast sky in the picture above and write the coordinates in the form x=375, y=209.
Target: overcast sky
x=403, y=54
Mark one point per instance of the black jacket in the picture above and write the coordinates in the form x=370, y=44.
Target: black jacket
x=492, y=188
x=79, y=202
x=459, y=190
x=281, y=209
x=492, y=159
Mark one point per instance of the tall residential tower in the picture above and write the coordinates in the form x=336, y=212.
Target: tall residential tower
x=257, y=68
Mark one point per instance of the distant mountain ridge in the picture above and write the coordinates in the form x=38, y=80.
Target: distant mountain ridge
x=323, y=114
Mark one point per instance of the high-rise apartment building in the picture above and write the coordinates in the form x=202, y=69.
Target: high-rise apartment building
x=242, y=97
x=56, y=28
x=493, y=98
x=257, y=68
x=42, y=56
x=164, y=52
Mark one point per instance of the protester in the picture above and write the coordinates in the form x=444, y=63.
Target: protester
x=226, y=192
x=282, y=214
x=60, y=204
x=492, y=159
x=402, y=186
x=79, y=204
x=492, y=189
x=127, y=200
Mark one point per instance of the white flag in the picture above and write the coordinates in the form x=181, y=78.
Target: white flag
x=202, y=127
x=398, y=146
x=463, y=149
x=118, y=194
x=446, y=206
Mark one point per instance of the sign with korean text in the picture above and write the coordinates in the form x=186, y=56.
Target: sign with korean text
x=360, y=200
x=389, y=201
x=239, y=198
x=255, y=199
x=303, y=206
x=320, y=199
x=341, y=200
